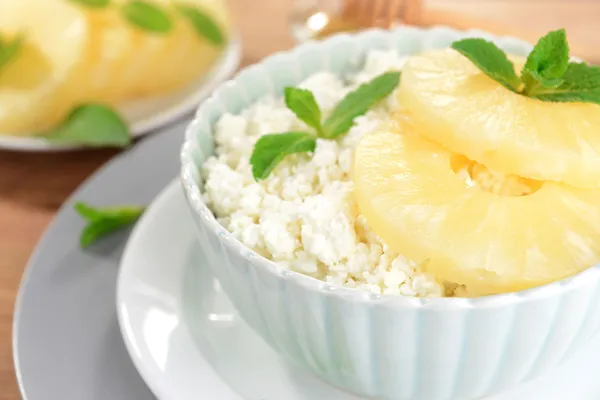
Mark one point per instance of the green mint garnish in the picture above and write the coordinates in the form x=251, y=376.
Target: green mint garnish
x=580, y=83
x=152, y=17
x=302, y=102
x=358, y=102
x=103, y=221
x=147, y=16
x=548, y=75
x=93, y=3
x=93, y=125
x=490, y=59
x=9, y=49
x=202, y=23
x=547, y=62
x=271, y=149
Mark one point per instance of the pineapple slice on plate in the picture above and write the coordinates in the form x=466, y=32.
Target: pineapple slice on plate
x=109, y=49
x=84, y=54
x=185, y=56
x=458, y=106
x=469, y=225
x=124, y=62
x=51, y=48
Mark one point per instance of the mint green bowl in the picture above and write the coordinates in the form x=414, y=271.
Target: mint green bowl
x=381, y=346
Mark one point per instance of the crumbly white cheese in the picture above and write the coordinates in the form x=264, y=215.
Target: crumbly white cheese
x=303, y=215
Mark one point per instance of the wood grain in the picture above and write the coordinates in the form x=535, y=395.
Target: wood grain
x=32, y=186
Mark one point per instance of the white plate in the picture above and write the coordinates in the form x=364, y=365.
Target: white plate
x=188, y=342
x=144, y=116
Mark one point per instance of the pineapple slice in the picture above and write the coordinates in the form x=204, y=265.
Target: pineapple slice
x=185, y=56
x=109, y=49
x=51, y=49
x=464, y=221
x=84, y=54
x=458, y=106
x=124, y=62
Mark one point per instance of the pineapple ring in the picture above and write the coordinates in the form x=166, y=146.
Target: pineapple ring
x=458, y=106
x=50, y=51
x=123, y=62
x=406, y=188
x=84, y=54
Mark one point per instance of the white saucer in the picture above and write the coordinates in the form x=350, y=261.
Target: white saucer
x=144, y=116
x=188, y=342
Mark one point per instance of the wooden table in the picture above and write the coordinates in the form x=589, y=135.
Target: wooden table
x=32, y=186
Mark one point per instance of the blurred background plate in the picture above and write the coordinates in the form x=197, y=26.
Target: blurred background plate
x=66, y=340
x=150, y=114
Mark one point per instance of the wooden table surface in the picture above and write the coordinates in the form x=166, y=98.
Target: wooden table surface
x=32, y=186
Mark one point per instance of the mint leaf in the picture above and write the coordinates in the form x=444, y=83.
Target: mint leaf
x=202, y=23
x=547, y=62
x=93, y=125
x=147, y=16
x=270, y=149
x=358, y=102
x=491, y=60
x=580, y=83
x=93, y=3
x=87, y=212
x=302, y=102
x=102, y=221
x=10, y=49
x=547, y=75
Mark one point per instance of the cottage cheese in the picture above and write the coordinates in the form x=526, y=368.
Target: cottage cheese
x=303, y=215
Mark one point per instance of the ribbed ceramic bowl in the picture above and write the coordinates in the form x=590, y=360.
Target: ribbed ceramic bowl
x=384, y=347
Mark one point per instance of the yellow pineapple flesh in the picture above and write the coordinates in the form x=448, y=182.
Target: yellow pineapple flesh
x=469, y=225
x=82, y=54
x=185, y=56
x=51, y=48
x=124, y=62
x=27, y=71
x=458, y=106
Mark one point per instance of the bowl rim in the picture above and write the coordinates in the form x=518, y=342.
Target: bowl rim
x=195, y=201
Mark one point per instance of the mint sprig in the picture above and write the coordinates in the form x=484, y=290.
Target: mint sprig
x=9, y=49
x=147, y=16
x=93, y=125
x=204, y=26
x=581, y=82
x=490, y=59
x=103, y=221
x=271, y=149
x=302, y=103
x=154, y=18
x=547, y=62
x=547, y=75
x=358, y=102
